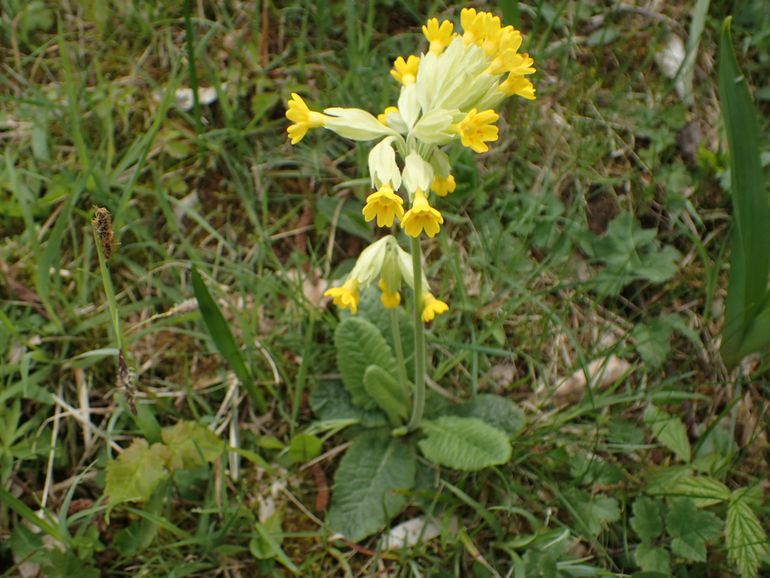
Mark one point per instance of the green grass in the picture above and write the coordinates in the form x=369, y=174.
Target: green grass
x=88, y=118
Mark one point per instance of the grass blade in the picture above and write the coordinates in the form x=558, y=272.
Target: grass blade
x=747, y=289
x=224, y=340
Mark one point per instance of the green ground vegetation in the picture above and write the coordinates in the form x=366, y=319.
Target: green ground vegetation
x=584, y=259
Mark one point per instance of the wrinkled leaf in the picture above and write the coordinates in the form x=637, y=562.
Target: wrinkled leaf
x=330, y=401
x=495, y=410
x=370, y=483
x=359, y=345
x=464, y=443
x=388, y=393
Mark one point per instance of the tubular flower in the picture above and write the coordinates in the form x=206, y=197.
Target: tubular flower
x=421, y=217
x=390, y=299
x=477, y=128
x=474, y=24
x=443, y=186
x=439, y=36
x=405, y=71
x=432, y=307
x=385, y=205
x=518, y=85
x=302, y=117
x=346, y=296
x=383, y=118
x=492, y=31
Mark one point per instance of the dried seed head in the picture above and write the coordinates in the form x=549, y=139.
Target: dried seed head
x=102, y=223
x=126, y=381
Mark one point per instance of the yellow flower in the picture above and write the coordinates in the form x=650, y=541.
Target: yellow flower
x=442, y=187
x=390, y=299
x=385, y=205
x=432, y=307
x=492, y=31
x=345, y=296
x=405, y=71
x=302, y=117
x=518, y=85
x=474, y=24
x=477, y=128
x=438, y=36
x=383, y=118
x=421, y=217
x=521, y=64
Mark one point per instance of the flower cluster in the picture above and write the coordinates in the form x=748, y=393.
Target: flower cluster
x=448, y=94
x=386, y=261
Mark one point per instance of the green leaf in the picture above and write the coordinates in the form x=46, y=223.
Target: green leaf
x=703, y=490
x=304, y=447
x=330, y=401
x=66, y=565
x=191, y=445
x=631, y=253
x=750, y=259
x=653, y=559
x=653, y=341
x=371, y=308
x=369, y=484
x=746, y=539
x=359, y=345
x=137, y=472
x=593, y=511
x=669, y=431
x=690, y=529
x=388, y=393
x=647, y=521
x=224, y=340
x=464, y=443
x=495, y=410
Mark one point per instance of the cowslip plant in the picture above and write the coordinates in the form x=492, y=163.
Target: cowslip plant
x=448, y=95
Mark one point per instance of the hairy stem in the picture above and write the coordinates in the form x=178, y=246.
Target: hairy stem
x=396, y=330
x=419, y=339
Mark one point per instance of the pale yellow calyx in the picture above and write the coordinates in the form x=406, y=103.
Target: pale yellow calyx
x=302, y=117
x=346, y=296
x=385, y=205
x=439, y=36
x=390, y=299
x=421, y=217
x=443, y=186
x=432, y=307
x=405, y=71
x=477, y=128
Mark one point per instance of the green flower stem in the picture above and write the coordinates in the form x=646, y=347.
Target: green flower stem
x=396, y=330
x=419, y=339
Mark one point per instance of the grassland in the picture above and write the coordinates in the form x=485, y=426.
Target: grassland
x=584, y=260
